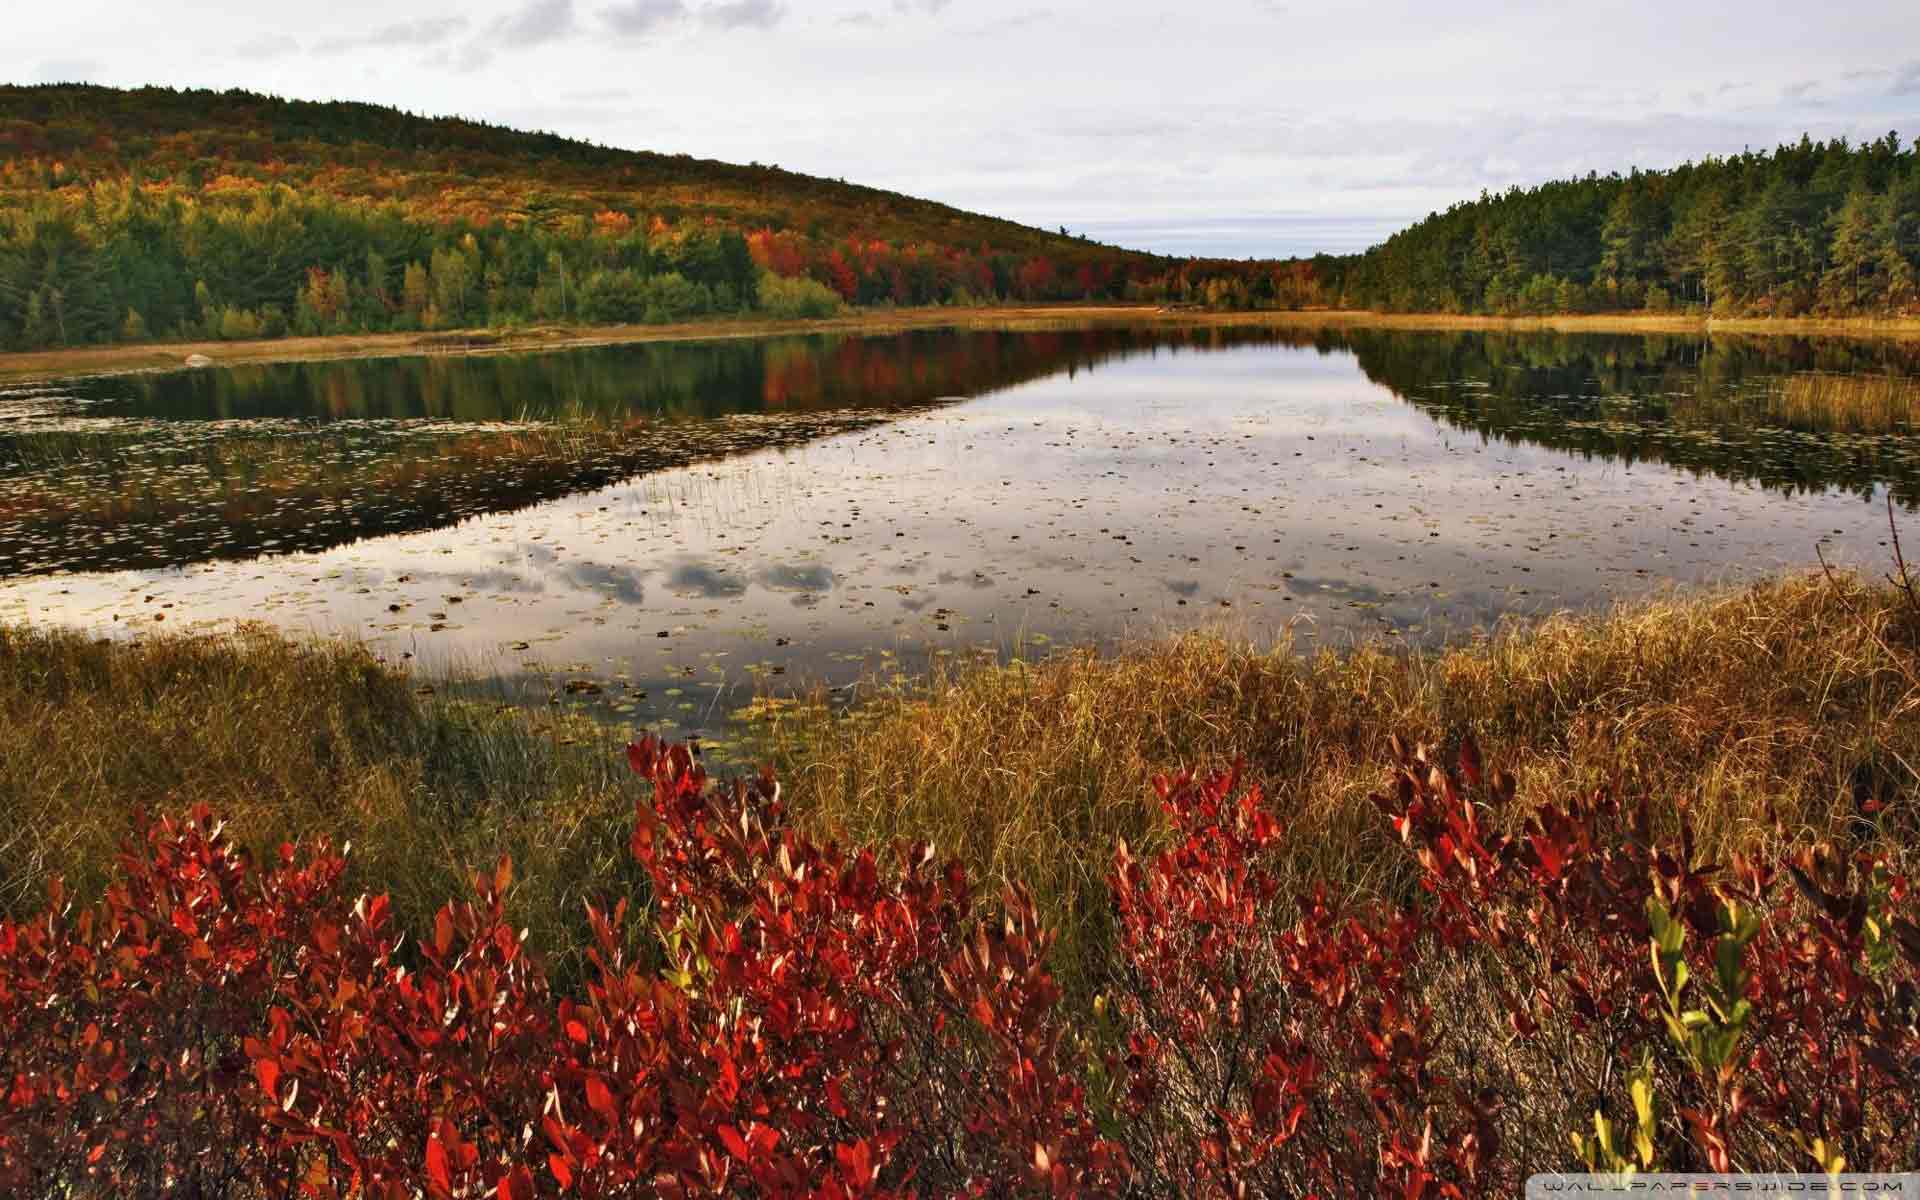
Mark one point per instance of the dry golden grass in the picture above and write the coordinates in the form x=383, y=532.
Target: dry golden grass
x=1764, y=713
x=1631, y=322
x=291, y=740
x=1846, y=403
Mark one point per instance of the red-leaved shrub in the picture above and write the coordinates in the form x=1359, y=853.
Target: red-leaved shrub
x=1702, y=1016
x=1566, y=987
x=121, y=1025
x=1265, y=1053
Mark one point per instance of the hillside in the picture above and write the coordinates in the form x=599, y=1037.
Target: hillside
x=154, y=213
x=1811, y=228
x=445, y=168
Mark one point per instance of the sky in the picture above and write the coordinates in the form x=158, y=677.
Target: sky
x=1221, y=127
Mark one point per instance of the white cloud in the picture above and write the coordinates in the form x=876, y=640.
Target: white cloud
x=742, y=14
x=421, y=33
x=637, y=18
x=67, y=70
x=266, y=46
x=540, y=22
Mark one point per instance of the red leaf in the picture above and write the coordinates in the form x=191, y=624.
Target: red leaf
x=856, y=1163
x=515, y=1185
x=561, y=1171
x=735, y=1144
x=1470, y=762
x=268, y=1073
x=577, y=1032
x=600, y=1100
x=437, y=1166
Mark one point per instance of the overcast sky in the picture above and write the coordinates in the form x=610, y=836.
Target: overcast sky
x=1236, y=127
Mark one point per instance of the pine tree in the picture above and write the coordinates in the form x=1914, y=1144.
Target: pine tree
x=39, y=330
x=1858, y=250
x=1630, y=238
x=374, y=298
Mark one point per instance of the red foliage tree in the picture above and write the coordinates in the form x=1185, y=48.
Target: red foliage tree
x=1037, y=279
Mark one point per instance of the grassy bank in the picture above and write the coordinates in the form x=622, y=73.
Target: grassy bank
x=1780, y=712
x=158, y=356
x=1632, y=322
x=289, y=741
x=1768, y=713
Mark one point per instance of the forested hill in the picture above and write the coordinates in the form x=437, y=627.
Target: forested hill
x=1817, y=227
x=443, y=167
x=154, y=213
x=158, y=213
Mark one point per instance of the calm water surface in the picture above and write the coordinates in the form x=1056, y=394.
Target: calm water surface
x=674, y=529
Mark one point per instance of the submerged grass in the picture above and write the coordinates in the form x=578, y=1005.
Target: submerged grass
x=1786, y=711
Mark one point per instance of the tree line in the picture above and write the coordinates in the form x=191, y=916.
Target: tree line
x=135, y=215
x=127, y=216
x=1827, y=228
x=119, y=261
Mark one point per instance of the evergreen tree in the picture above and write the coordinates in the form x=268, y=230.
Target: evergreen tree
x=1859, y=250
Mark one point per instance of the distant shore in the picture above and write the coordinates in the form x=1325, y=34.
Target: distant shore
x=25, y=366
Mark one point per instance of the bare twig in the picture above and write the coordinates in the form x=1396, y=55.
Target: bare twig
x=1827, y=568
x=1905, y=580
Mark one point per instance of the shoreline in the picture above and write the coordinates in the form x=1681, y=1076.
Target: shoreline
x=1776, y=699
x=35, y=366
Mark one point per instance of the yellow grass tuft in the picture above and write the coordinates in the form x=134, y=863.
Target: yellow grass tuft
x=1765, y=713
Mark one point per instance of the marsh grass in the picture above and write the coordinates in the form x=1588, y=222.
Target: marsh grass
x=1846, y=403
x=1767, y=714
x=293, y=740
x=1784, y=712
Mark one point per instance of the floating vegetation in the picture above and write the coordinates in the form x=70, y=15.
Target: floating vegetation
x=162, y=497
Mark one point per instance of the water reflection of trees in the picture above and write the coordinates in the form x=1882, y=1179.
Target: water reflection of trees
x=1790, y=414
x=234, y=463
x=363, y=448
x=706, y=378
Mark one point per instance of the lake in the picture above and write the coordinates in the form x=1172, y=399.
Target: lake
x=666, y=531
